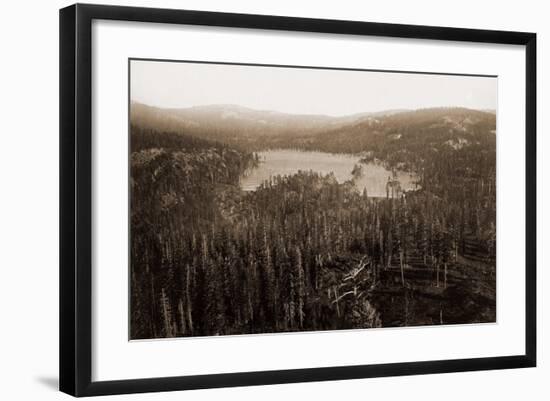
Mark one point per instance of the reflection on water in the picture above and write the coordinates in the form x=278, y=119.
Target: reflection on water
x=287, y=162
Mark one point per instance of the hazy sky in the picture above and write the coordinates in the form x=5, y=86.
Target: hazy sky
x=303, y=91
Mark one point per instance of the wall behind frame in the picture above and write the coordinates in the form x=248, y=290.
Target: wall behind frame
x=29, y=201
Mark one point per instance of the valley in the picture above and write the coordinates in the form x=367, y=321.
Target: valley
x=246, y=221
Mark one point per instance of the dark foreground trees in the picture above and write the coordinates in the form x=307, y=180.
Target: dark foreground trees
x=300, y=253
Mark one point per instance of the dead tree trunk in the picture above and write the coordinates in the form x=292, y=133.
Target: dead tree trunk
x=181, y=313
x=336, y=301
x=188, y=299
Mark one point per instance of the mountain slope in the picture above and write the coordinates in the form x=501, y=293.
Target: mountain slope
x=395, y=136
x=231, y=123
x=412, y=130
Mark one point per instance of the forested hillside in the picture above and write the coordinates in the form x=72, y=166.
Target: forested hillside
x=305, y=252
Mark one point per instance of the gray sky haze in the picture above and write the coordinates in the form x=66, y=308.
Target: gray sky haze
x=303, y=91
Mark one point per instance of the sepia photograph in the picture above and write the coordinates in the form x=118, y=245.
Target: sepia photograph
x=277, y=199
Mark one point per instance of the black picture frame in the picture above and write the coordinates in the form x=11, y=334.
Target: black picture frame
x=76, y=199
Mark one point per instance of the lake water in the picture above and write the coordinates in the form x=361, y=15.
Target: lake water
x=288, y=162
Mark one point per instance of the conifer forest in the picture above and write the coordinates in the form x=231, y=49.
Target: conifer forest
x=227, y=236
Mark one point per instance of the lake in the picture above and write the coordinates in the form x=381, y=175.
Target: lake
x=288, y=162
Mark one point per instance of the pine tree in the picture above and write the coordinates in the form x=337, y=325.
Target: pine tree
x=438, y=247
x=166, y=315
x=300, y=287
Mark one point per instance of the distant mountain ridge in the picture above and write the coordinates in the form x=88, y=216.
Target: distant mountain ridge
x=410, y=132
x=264, y=122
x=252, y=129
